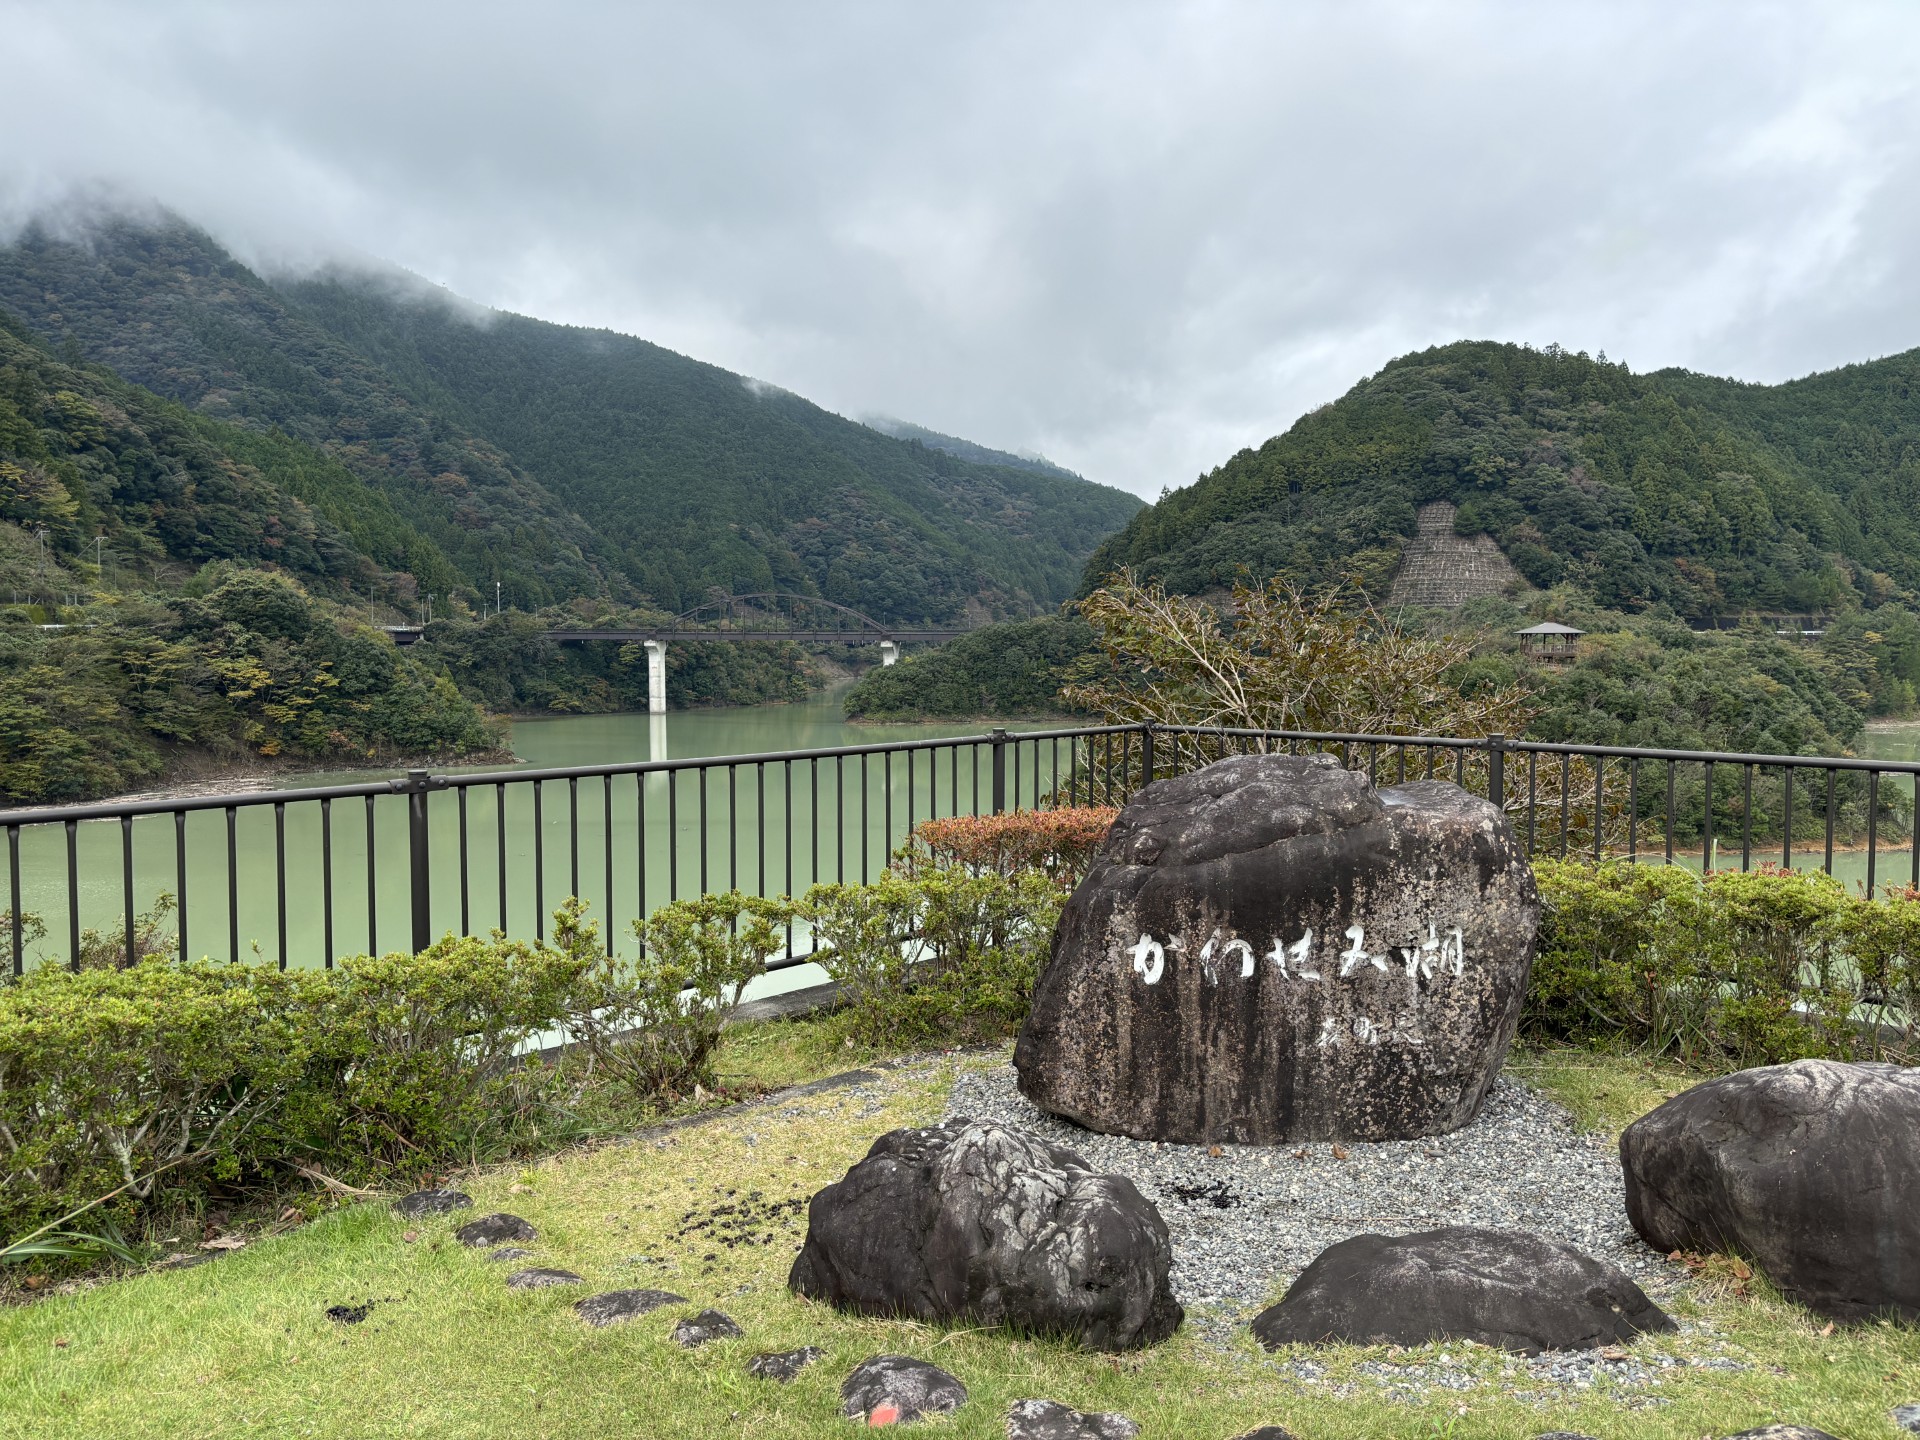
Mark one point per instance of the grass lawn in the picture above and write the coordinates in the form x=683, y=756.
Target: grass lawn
x=243, y=1346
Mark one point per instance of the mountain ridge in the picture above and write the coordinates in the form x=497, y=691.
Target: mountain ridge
x=562, y=461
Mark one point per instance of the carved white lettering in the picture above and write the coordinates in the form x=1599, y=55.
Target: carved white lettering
x=1150, y=959
x=1352, y=958
x=1329, y=1036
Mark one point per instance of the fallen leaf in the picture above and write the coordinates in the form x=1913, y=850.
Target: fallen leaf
x=410, y=1236
x=1301, y=1153
x=290, y=1213
x=1340, y=1152
x=1612, y=1352
x=1678, y=1256
x=1743, y=1270
x=1826, y=1330
x=60, y=1344
x=518, y=1189
x=885, y=1413
x=1214, y=1151
x=34, y=1282
x=224, y=1242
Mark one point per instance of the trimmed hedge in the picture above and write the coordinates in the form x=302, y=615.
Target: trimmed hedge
x=1734, y=969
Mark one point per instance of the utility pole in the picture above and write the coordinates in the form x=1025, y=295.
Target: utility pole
x=496, y=599
x=99, y=569
x=429, y=607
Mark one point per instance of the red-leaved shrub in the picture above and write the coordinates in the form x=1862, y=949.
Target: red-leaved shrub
x=1060, y=843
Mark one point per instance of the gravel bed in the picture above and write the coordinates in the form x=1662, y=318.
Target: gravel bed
x=1249, y=1219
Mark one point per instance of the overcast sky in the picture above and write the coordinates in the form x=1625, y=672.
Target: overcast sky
x=1132, y=237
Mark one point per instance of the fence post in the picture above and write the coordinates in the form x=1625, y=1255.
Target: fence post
x=419, y=874
x=1146, y=753
x=999, y=738
x=1497, y=771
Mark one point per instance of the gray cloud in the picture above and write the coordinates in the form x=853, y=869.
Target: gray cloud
x=1132, y=237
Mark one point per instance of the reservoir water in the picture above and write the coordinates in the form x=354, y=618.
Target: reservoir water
x=774, y=828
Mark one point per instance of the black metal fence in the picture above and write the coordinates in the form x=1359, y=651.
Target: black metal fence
x=303, y=875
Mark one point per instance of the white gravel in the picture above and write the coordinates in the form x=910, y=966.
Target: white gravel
x=1245, y=1222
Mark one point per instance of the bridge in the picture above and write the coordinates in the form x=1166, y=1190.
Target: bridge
x=815, y=621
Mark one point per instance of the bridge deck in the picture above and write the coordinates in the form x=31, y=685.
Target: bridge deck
x=810, y=637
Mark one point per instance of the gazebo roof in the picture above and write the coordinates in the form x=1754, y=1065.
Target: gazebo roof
x=1551, y=627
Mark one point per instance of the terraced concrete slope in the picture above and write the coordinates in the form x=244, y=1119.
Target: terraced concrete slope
x=1446, y=570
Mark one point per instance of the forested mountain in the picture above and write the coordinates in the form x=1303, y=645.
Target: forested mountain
x=1706, y=496
x=563, y=462
x=185, y=648
x=965, y=449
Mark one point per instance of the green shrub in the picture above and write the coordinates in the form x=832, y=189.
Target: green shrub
x=653, y=1023
x=1739, y=967
x=108, y=1075
x=114, y=1077
x=939, y=955
x=422, y=1048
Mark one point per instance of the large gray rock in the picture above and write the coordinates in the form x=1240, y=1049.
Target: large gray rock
x=971, y=1220
x=1809, y=1170
x=1270, y=949
x=1494, y=1287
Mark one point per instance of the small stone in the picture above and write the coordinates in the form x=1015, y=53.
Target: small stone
x=708, y=1325
x=783, y=1365
x=1267, y=1432
x=1783, y=1432
x=508, y=1252
x=616, y=1305
x=432, y=1202
x=540, y=1278
x=1562, y=1435
x=495, y=1228
x=1050, y=1420
x=897, y=1390
x=1907, y=1417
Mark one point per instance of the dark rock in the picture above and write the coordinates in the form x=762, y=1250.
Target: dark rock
x=708, y=1325
x=1907, y=1417
x=508, y=1252
x=495, y=1229
x=1808, y=1170
x=432, y=1202
x=1495, y=1287
x=1784, y=1432
x=897, y=1390
x=617, y=1305
x=1267, y=1432
x=1050, y=1420
x=783, y=1365
x=975, y=1221
x=1270, y=949
x=350, y=1314
x=539, y=1278
x=1561, y=1435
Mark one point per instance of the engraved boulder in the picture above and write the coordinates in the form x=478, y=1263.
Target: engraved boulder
x=1271, y=949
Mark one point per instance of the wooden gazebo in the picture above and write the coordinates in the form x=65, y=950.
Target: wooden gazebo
x=1551, y=642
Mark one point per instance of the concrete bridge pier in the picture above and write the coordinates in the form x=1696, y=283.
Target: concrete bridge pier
x=656, y=676
x=889, y=652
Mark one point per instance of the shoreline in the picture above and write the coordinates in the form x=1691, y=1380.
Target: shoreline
x=257, y=779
